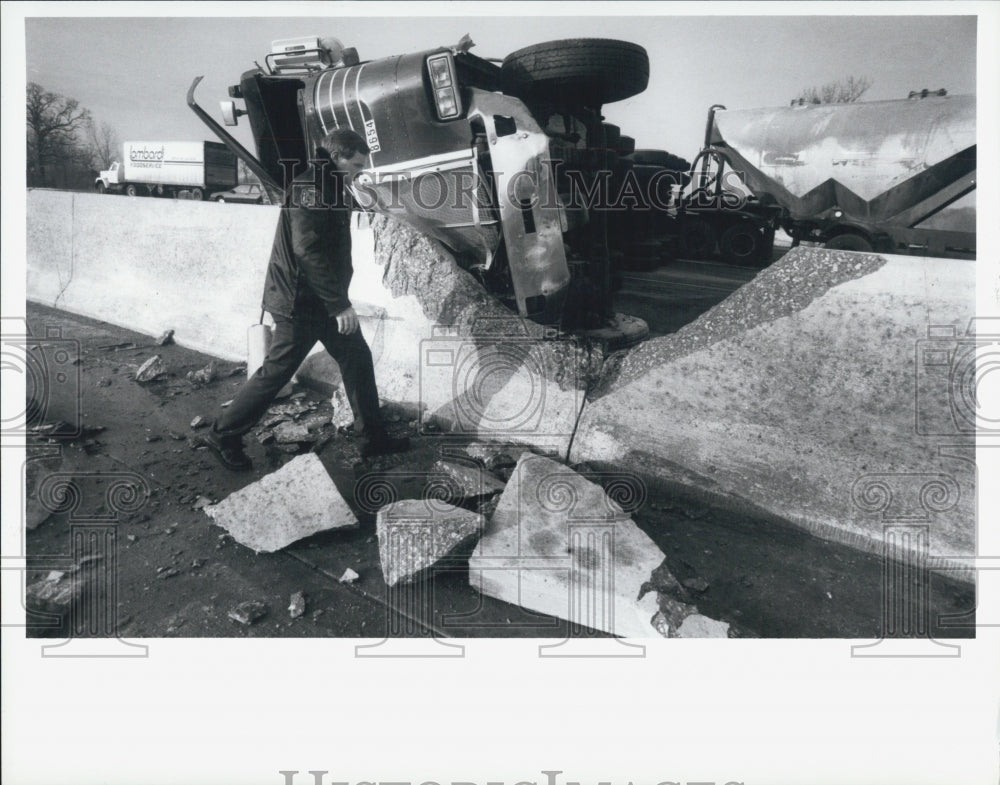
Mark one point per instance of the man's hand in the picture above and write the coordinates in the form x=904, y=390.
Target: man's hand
x=347, y=321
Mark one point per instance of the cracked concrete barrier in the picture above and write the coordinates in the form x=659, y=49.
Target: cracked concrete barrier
x=821, y=393
x=451, y=353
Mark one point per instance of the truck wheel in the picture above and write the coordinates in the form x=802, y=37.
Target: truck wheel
x=131, y=190
x=588, y=71
x=849, y=241
x=101, y=188
x=197, y=194
x=697, y=240
x=742, y=243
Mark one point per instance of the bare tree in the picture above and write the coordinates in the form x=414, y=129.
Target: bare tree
x=53, y=121
x=842, y=91
x=103, y=144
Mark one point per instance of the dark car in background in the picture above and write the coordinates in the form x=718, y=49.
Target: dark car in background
x=247, y=193
x=509, y=164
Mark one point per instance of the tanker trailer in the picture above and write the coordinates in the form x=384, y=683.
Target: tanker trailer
x=893, y=176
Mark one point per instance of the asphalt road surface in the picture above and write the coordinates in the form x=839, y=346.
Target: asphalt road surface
x=176, y=574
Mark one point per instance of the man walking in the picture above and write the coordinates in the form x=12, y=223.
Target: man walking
x=306, y=292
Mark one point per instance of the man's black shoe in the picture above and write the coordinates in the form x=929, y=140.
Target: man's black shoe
x=384, y=445
x=228, y=449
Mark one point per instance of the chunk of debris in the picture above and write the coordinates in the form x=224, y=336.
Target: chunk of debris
x=696, y=584
x=152, y=369
x=415, y=534
x=198, y=422
x=155, y=437
x=698, y=626
x=226, y=404
x=104, y=383
x=167, y=572
x=53, y=596
x=294, y=502
x=201, y=502
x=205, y=375
x=166, y=338
x=297, y=606
x=555, y=533
x=472, y=482
x=248, y=612
x=349, y=576
x=290, y=432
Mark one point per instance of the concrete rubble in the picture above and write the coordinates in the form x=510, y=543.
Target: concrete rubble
x=294, y=502
x=557, y=539
x=470, y=480
x=152, y=369
x=246, y=613
x=297, y=605
x=166, y=338
x=415, y=534
x=205, y=375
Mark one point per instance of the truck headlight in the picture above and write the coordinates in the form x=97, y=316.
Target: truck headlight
x=442, y=72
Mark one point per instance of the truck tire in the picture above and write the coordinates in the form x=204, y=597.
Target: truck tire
x=849, y=241
x=197, y=194
x=101, y=188
x=587, y=71
x=742, y=244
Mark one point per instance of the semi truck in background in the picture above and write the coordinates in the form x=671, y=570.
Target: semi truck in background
x=168, y=168
x=891, y=176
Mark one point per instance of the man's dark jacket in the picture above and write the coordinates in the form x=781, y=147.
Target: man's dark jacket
x=310, y=267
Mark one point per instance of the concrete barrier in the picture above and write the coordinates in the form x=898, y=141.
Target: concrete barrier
x=805, y=394
x=152, y=264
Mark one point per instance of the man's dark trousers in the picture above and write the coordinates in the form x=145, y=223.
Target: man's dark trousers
x=292, y=341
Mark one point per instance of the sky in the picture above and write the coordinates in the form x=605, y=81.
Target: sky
x=134, y=72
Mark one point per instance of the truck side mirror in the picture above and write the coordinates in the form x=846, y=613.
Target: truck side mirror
x=230, y=113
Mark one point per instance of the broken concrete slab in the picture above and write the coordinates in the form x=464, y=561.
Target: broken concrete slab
x=470, y=481
x=809, y=394
x=294, y=502
x=152, y=369
x=166, y=338
x=415, y=534
x=557, y=544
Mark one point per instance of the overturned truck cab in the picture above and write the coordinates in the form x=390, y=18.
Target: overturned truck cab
x=473, y=154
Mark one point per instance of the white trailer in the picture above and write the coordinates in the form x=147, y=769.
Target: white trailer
x=167, y=168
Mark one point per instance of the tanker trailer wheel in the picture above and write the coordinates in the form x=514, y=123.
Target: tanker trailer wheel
x=742, y=244
x=197, y=194
x=849, y=241
x=131, y=190
x=697, y=239
x=588, y=71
